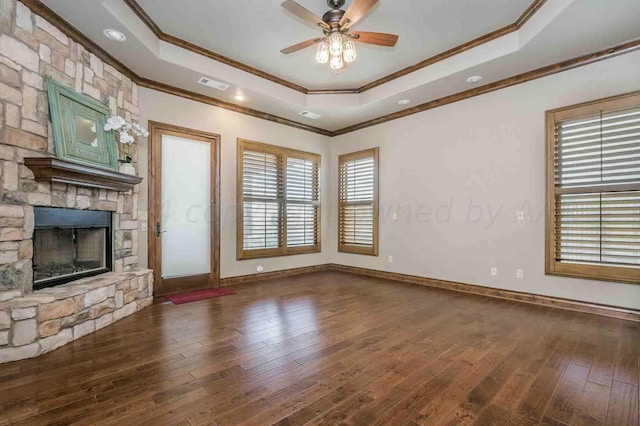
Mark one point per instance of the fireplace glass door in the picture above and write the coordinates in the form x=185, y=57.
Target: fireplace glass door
x=72, y=245
x=64, y=252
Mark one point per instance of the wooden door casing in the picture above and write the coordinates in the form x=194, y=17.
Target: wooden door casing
x=162, y=287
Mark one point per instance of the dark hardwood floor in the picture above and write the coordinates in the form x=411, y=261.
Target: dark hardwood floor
x=335, y=348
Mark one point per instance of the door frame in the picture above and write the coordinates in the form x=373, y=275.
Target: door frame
x=156, y=131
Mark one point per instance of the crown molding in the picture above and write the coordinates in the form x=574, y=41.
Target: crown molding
x=545, y=71
x=507, y=29
x=500, y=32
x=528, y=14
x=501, y=84
x=37, y=7
x=168, y=38
x=167, y=88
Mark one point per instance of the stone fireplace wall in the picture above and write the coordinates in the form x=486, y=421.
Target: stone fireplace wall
x=43, y=321
x=31, y=50
x=33, y=323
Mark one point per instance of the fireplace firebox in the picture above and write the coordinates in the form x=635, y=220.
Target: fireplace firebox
x=69, y=245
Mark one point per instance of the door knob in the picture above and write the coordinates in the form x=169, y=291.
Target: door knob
x=158, y=230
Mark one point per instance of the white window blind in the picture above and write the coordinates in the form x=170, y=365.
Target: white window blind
x=279, y=201
x=358, y=209
x=596, y=177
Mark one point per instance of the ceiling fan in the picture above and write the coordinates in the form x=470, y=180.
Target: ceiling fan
x=337, y=45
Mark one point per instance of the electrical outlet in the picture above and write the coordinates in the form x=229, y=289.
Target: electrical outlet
x=519, y=274
x=394, y=216
x=520, y=215
x=494, y=271
x=390, y=259
x=144, y=227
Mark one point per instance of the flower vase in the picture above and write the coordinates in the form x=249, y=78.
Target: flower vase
x=127, y=168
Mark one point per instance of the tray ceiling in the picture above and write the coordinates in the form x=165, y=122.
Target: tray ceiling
x=249, y=31
x=254, y=31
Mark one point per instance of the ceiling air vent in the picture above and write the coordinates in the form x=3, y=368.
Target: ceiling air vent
x=213, y=83
x=309, y=114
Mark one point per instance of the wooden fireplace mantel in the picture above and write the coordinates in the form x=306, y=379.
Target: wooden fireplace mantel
x=49, y=169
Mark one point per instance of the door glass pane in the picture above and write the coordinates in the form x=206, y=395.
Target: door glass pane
x=186, y=184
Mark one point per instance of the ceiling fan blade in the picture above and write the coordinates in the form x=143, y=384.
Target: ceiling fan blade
x=300, y=46
x=356, y=11
x=379, y=39
x=304, y=14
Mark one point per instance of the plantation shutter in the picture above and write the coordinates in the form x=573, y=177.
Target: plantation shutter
x=262, y=193
x=596, y=177
x=358, y=203
x=279, y=201
x=303, y=202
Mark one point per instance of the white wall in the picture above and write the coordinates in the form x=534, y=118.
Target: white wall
x=458, y=174
x=165, y=108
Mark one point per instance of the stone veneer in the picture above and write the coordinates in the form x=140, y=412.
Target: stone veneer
x=47, y=319
x=31, y=50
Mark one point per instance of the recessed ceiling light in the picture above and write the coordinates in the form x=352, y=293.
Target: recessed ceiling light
x=404, y=102
x=239, y=97
x=474, y=79
x=114, y=35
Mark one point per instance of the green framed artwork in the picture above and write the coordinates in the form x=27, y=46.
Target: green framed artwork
x=78, y=128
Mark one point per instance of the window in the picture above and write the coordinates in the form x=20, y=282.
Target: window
x=593, y=190
x=358, y=203
x=278, y=201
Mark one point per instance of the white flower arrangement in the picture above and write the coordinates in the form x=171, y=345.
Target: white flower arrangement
x=118, y=124
x=126, y=132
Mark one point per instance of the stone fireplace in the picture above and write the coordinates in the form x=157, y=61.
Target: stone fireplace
x=69, y=245
x=38, y=310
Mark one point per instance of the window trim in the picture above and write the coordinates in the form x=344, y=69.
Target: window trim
x=346, y=248
x=283, y=154
x=578, y=270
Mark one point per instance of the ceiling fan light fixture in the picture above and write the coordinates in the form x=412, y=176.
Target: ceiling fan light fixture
x=322, y=55
x=349, y=51
x=335, y=44
x=336, y=62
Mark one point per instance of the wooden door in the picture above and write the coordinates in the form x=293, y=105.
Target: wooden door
x=184, y=208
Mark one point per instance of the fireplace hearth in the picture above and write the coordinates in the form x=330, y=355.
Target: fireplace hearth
x=69, y=245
